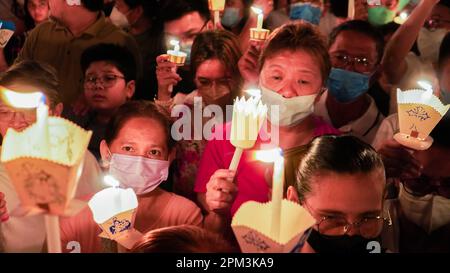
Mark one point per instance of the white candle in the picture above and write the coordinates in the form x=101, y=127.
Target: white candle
x=275, y=156
x=42, y=127
x=351, y=9
x=112, y=201
x=259, y=23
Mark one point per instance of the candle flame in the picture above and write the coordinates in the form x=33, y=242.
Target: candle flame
x=174, y=42
x=254, y=92
x=269, y=156
x=111, y=181
x=257, y=10
x=404, y=15
x=21, y=100
x=426, y=85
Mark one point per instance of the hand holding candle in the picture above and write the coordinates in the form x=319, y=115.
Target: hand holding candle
x=248, y=117
x=176, y=56
x=114, y=211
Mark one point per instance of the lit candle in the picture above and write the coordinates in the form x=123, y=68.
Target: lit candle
x=276, y=157
x=259, y=23
x=42, y=123
x=33, y=100
x=351, y=9
x=176, y=56
x=114, y=204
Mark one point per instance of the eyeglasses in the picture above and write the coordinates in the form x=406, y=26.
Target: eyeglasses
x=426, y=185
x=361, y=64
x=368, y=227
x=205, y=82
x=106, y=80
x=8, y=115
x=435, y=23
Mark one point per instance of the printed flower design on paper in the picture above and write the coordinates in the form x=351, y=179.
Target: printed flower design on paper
x=253, y=239
x=119, y=226
x=418, y=112
x=43, y=188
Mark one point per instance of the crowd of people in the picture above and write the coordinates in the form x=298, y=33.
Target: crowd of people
x=333, y=74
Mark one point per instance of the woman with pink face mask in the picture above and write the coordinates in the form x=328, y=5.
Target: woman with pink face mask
x=214, y=64
x=137, y=151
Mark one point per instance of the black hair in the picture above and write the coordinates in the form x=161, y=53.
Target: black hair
x=151, y=8
x=175, y=9
x=363, y=27
x=441, y=133
x=337, y=154
x=117, y=55
x=93, y=5
x=136, y=109
x=445, y=3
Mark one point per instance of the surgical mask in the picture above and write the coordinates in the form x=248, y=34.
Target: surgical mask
x=339, y=244
x=430, y=212
x=378, y=16
x=215, y=94
x=345, y=86
x=118, y=19
x=306, y=12
x=141, y=174
x=429, y=43
x=231, y=17
x=291, y=112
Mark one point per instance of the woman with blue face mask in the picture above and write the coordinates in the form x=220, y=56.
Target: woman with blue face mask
x=294, y=65
x=137, y=151
x=309, y=11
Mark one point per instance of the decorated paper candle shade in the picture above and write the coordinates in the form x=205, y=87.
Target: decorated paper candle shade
x=259, y=33
x=6, y=32
x=419, y=111
x=45, y=166
x=248, y=117
x=216, y=5
x=255, y=234
x=114, y=210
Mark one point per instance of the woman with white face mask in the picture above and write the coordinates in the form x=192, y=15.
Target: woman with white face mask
x=137, y=151
x=294, y=66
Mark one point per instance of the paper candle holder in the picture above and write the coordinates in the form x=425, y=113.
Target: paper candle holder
x=46, y=182
x=259, y=34
x=419, y=111
x=252, y=227
x=248, y=117
x=114, y=210
x=177, y=57
x=216, y=5
x=6, y=32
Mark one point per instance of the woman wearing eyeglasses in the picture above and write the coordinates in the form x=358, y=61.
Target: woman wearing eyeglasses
x=214, y=64
x=109, y=82
x=340, y=182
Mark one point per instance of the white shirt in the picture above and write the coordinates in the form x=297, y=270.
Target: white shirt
x=364, y=128
x=27, y=234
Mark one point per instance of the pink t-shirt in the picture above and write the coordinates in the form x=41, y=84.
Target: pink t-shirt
x=251, y=174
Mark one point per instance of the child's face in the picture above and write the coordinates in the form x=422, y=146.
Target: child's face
x=38, y=10
x=105, y=87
